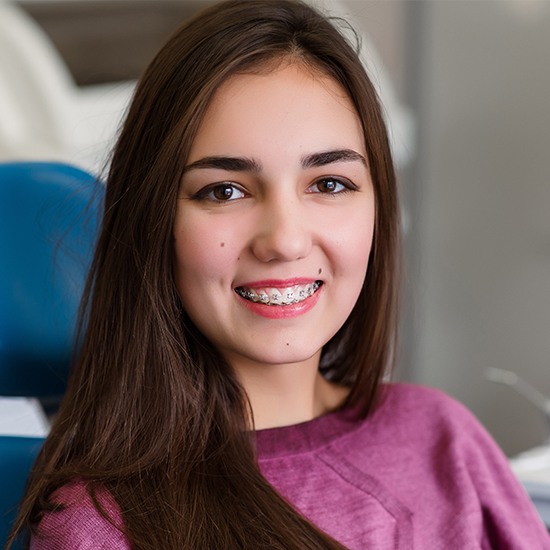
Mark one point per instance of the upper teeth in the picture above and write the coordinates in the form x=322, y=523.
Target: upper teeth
x=276, y=296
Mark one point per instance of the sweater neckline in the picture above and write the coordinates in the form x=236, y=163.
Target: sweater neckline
x=306, y=436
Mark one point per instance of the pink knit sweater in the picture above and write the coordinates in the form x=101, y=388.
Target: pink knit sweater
x=420, y=472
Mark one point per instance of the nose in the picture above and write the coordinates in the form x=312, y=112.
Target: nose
x=282, y=232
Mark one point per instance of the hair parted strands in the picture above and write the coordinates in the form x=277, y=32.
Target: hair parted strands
x=153, y=413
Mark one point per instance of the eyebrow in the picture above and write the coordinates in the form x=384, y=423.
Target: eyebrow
x=329, y=157
x=244, y=164
x=230, y=164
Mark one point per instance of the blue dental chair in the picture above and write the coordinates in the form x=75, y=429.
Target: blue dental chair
x=48, y=226
x=17, y=455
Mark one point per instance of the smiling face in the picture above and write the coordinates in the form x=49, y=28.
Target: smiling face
x=275, y=217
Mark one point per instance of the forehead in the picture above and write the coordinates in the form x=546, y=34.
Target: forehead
x=290, y=106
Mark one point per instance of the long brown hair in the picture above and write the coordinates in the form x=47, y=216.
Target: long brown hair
x=152, y=412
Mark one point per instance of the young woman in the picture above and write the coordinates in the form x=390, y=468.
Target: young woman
x=240, y=316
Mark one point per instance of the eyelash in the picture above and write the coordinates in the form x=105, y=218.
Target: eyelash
x=346, y=184
x=207, y=193
x=203, y=194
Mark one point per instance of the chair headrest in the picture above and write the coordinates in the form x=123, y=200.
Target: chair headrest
x=48, y=225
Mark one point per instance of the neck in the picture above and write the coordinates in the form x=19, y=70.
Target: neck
x=287, y=394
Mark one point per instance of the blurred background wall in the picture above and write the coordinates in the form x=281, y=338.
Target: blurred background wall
x=477, y=199
x=480, y=84
x=475, y=184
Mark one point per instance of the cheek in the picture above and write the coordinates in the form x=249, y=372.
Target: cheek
x=352, y=245
x=353, y=266
x=204, y=251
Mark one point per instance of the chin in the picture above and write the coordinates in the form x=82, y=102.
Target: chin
x=284, y=356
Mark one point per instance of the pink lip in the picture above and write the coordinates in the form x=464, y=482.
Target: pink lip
x=279, y=283
x=281, y=312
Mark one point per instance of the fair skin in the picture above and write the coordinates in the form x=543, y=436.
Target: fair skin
x=273, y=232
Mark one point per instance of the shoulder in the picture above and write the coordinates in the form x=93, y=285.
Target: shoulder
x=416, y=397
x=77, y=524
x=426, y=420
x=442, y=430
x=411, y=405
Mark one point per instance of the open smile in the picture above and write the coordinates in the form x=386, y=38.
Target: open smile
x=273, y=296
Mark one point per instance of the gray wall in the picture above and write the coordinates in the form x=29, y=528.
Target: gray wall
x=478, y=75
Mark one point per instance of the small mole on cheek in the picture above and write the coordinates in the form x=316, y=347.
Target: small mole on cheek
x=222, y=244
x=320, y=271
x=287, y=344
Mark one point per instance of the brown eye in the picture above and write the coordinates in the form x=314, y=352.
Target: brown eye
x=223, y=192
x=331, y=186
x=220, y=192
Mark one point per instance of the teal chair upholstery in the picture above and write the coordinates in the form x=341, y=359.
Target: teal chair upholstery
x=48, y=226
x=17, y=455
